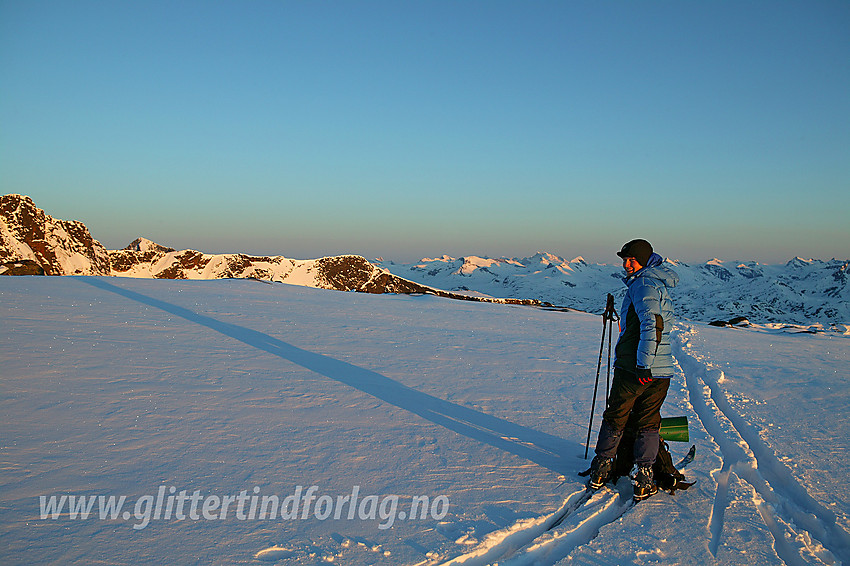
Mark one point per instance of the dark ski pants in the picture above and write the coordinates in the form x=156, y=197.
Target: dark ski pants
x=637, y=406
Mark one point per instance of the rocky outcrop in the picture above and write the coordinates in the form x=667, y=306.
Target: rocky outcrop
x=740, y=321
x=22, y=267
x=59, y=247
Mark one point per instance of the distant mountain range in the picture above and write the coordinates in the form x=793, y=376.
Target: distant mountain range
x=34, y=243
x=802, y=291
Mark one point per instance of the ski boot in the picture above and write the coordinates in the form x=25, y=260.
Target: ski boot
x=644, y=483
x=600, y=471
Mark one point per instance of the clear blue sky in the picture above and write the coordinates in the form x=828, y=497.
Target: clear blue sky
x=409, y=129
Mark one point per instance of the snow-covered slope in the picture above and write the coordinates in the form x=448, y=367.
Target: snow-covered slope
x=799, y=292
x=184, y=395
x=144, y=258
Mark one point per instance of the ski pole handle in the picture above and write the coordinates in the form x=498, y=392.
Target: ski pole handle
x=610, y=311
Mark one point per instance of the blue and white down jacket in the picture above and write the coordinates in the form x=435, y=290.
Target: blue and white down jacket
x=646, y=319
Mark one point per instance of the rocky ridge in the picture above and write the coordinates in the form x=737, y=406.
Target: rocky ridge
x=34, y=243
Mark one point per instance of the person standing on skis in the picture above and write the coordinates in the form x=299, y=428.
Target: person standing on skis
x=643, y=367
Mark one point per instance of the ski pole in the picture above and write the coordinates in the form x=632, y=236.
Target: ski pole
x=607, y=316
x=612, y=315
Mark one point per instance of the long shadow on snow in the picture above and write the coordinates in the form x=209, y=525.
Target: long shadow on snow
x=539, y=447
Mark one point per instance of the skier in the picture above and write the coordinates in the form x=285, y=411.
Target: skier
x=643, y=366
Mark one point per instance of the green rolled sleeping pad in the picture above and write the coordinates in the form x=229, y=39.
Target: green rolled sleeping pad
x=674, y=429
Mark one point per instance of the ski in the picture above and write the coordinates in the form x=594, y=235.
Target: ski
x=569, y=508
x=689, y=457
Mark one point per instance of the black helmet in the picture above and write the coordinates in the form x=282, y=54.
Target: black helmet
x=638, y=249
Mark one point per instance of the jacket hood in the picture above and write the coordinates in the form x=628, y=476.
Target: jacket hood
x=655, y=269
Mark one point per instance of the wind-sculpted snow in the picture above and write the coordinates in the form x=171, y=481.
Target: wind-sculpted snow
x=238, y=389
x=802, y=292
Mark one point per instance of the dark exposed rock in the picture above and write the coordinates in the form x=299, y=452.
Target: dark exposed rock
x=60, y=247
x=23, y=267
x=737, y=321
x=345, y=273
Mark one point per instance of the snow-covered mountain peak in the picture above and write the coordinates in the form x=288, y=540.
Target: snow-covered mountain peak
x=799, y=262
x=473, y=263
x=544, y=258
x=445, y=258
x=145, y=245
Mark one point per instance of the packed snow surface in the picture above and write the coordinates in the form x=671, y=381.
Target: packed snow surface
x=390, y=430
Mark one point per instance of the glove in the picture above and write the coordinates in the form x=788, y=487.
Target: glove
x=644, y=375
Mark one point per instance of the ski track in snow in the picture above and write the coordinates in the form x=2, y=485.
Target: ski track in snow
x=537, y=541
x=601, y=509
x=803, y=530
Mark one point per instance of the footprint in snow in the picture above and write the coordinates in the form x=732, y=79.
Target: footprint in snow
x=274, y=553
